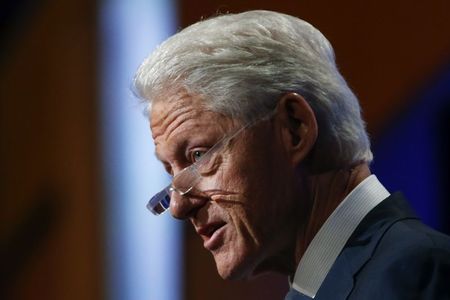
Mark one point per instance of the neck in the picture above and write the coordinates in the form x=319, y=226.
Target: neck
x=325, y=192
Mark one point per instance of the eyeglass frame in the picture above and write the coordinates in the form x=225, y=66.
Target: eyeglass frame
x=160, y=202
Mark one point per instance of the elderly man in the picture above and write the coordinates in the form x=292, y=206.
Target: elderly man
x=269, y=157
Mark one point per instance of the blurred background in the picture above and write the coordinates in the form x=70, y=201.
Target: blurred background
x=76, y=156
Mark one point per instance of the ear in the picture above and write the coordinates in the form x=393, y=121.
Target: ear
x=299, y=128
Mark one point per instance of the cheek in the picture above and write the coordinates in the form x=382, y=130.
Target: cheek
x=240, y=211
x=250, y=198
x=263, y=181
x=241, y=250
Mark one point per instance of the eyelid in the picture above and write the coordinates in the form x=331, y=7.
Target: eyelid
x=210, y=153
x=191, y=151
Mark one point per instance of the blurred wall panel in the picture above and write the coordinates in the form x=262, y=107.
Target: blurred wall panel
x=386, y=50
x=50, y=228
x=143, y=252
x=411, y=154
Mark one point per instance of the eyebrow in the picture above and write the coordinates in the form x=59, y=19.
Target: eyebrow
x=176, y=150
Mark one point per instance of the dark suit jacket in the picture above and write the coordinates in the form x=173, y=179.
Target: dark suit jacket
x=391, y=255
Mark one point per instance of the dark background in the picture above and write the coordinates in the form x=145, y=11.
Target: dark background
x=394, y=54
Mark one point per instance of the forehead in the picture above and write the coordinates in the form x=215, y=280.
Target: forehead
x=172, y=110
x=183, y=117
x=180, y=110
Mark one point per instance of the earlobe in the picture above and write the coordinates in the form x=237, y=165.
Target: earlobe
x=299, y=124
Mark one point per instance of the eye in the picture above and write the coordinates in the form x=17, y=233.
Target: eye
x=196, y=155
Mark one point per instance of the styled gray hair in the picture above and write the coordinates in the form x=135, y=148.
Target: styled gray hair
x=241, y=64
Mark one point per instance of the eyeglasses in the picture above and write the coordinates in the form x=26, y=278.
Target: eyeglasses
x=189, y=177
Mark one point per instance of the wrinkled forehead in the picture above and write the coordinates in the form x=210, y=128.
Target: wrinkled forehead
x=164, y=110
x=181, y=112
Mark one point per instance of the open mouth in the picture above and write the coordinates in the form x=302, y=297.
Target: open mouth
x=212, y=234
x=209, y=229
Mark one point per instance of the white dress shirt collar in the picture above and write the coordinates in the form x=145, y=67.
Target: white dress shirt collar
x=331, y=238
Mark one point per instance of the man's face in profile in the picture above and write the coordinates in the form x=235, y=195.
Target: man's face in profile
x=243, y=205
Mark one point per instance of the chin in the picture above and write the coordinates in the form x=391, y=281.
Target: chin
x=235, y=266
x=228, y=273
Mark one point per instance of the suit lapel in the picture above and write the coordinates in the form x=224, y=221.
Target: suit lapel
x=359, y=249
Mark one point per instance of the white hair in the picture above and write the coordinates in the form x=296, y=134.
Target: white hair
x=241, y=64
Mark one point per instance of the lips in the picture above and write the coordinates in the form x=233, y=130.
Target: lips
x=211, y=234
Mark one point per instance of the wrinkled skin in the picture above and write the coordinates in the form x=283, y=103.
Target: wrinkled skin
x=259, y=203
x=250, y=194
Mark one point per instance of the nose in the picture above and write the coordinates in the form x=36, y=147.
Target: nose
x=185, y=206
